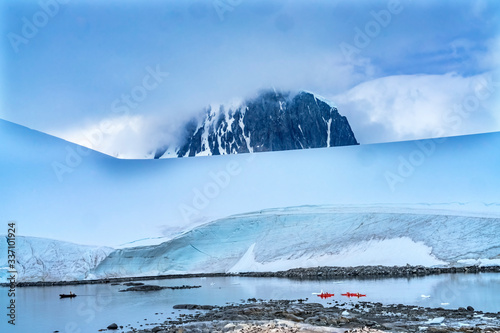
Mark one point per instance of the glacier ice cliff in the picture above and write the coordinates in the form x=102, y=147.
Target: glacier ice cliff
x=309, y=236
x=40, y=259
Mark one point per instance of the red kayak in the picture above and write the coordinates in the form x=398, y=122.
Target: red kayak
x=325, y=295
x=354, y=295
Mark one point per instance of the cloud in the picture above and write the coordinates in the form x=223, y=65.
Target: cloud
x=478, y=7
x=489, y=57
x=407, y=107
x=129, y=136
x=73, y=73
x=392, y=108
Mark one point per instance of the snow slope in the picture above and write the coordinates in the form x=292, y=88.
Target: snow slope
x=56, y=189
x=308, y=236
x=39, y=259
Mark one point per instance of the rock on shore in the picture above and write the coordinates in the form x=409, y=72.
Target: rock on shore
x=371, y=271
x=313, y=273
x=296, y=316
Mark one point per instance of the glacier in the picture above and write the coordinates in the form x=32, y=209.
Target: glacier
x=310, y=236
x=39, y=259
x=449, y=187
x=58, y=190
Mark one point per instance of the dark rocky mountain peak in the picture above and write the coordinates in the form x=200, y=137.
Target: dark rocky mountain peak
x=272, y=121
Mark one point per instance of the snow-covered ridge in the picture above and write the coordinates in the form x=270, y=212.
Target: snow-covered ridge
x=471, y=209
x=323, y=99
x=41, y=259
x=333, y=236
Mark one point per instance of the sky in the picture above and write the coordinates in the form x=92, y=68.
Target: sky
x=121, y=77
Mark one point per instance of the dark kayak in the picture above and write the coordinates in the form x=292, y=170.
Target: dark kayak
x=67, y=295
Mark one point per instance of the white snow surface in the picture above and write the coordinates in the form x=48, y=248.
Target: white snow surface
x=479, y=262
x=171, y=152
x=323, y=99
x=435, y=321
x=210, y=121
x=40, y=259
x=49, y=184
x=309, y=236
x=373, y=252
x=328, y=132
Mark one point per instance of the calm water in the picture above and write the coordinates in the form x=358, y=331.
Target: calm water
x=39, y=309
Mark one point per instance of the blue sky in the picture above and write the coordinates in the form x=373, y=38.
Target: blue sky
x=404, y=80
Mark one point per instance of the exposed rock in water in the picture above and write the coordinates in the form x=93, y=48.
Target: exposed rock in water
x=193, y=307
x=133, y=284
x=143, y=287
x=183, y=287
x=112, y=327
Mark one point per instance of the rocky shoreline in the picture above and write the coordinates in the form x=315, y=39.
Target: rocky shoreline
x=315, y=273
x=372, y=271
x=298, y=316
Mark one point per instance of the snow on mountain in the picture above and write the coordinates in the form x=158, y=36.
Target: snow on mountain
x=272, y=121
x=279, y=239
x=39, y=259
x=56, y=189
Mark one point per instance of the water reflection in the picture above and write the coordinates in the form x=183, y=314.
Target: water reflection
x=97, y=306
